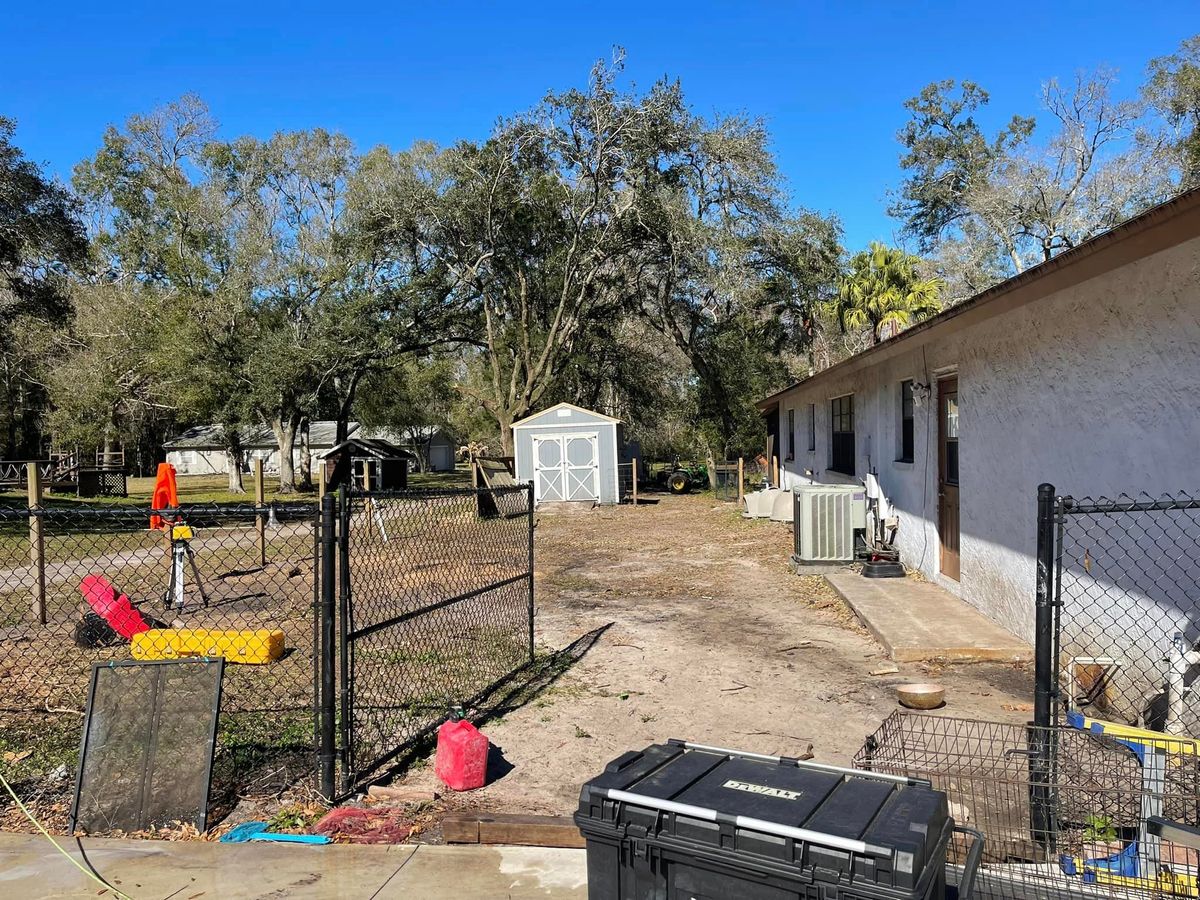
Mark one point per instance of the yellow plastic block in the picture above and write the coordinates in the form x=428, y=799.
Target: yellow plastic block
x=253, y=647
x=1158, y=739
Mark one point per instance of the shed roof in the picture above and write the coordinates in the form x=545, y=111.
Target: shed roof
x=373, y=447
x=1157, y=229
x=528, y=421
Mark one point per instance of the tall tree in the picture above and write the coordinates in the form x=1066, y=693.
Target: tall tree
x=1022, y=199
x=165, y=234
x=721, y=267
x=1173, y=89
x=884, y=290
x=530, y=227
x=41, y=240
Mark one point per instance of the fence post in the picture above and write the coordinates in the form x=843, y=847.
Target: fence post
x=633, y=468
x=327, y=752
x=37, y=546
x=1041, y=764
x=1044, y=688
x=346, y=684
x=741, y=479
x=260, y=523
x=529, y=512
x=775, y=470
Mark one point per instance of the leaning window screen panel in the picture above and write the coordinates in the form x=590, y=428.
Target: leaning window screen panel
x=791, y=435
x=905, y=448
x=841, y=445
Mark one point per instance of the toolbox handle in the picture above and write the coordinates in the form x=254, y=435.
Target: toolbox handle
x=711, y=815
x=805, y=764
x=971, y=866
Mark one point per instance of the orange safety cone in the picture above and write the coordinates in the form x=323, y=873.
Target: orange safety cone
x=166, y=494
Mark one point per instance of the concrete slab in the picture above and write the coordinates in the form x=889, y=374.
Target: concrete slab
x=916, y=621
x=30, y=868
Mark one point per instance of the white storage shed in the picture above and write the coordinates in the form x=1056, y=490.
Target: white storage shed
x=570, y=454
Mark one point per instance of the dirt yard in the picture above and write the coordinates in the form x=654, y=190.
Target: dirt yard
x=697, y=630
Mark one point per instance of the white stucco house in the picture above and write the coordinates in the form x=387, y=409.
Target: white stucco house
x=1083, y=372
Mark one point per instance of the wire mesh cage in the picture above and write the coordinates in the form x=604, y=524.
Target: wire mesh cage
x=1066, y=812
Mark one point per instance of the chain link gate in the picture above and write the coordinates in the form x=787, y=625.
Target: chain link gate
x=427, y=604
x=1119, y=609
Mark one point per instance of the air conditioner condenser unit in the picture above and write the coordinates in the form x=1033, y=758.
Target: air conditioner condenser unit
x=824, y=520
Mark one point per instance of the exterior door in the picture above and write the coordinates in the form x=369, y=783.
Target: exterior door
x=566, y=467
x=948, y=531
x=548, y=469
x=582, y=467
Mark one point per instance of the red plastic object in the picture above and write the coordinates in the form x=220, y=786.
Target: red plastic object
x=115, y=609
x=166, y=494
x=462, y=751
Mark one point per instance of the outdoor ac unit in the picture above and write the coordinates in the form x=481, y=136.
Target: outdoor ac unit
x=824, y=520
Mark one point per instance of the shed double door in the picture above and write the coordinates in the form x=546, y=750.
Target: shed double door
x=566, y=467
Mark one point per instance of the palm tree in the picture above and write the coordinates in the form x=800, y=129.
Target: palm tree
x=884, y=289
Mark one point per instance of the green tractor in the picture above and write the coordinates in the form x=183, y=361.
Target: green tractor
x=678, y=478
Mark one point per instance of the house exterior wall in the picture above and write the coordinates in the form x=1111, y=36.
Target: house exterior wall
x=574, y=422
x=1091, y=389
x=199, y=462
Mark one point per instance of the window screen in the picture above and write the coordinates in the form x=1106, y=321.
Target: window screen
x=812, y=426
x=791, y=436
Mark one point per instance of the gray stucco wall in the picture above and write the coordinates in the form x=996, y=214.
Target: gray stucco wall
x=574, y=422
x=1093, y=389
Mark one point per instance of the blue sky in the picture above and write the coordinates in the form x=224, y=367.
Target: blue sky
x=829, y=78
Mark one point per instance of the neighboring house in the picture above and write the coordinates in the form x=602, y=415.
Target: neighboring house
x=1081, y=372
x=201, y=450
x=570, y=454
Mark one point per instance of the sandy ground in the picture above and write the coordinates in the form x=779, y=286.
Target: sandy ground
x=700, y=632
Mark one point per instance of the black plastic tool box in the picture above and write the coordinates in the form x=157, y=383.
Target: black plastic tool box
x=682, y=821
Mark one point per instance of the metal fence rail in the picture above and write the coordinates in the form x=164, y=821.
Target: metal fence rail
x=1122, y=608
x=436, y=608
x=1049, y=833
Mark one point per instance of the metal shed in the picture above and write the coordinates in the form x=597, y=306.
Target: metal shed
x=569, y=453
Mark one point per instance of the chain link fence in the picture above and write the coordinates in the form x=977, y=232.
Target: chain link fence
x=437, y=608
x=87, y=584
x=1126, y=602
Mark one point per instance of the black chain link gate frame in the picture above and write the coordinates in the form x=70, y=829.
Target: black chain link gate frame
x=1118, y=599
x=426, y=604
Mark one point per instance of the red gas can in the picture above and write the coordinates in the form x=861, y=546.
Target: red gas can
x=462, y=751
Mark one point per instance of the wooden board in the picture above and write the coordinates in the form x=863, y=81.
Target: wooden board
x=518, y=830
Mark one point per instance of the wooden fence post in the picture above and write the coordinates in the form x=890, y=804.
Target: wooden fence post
x=260, y=499
x=741, y=478
x=37, y=546
x=633, y=468
x=321, y=487
x=775, y=467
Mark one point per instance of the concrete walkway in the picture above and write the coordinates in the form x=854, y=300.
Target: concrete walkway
x=189, y=870
x=916, y=621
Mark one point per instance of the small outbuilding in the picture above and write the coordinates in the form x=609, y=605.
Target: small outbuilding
x=367, y=464
x=570, y=454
